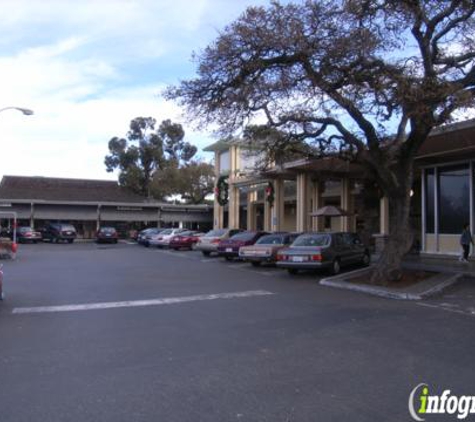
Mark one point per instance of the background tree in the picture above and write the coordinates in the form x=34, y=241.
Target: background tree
x=145, y=150
x=365, y=79
x=193, y=181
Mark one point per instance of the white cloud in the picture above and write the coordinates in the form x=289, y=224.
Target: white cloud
x=87, y=68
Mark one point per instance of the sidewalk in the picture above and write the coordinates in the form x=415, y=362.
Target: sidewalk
x=450, y=270
x=442, y=264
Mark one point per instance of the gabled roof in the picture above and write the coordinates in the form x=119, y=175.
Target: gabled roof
x=68, y=190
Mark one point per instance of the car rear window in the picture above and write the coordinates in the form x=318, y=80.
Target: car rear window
x=312, y=240
x=271, y=239
x=68, y=227
x=107, y=230
x=216, y=233
x=244, y=236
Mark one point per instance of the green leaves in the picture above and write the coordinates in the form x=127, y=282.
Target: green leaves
x=147, y=150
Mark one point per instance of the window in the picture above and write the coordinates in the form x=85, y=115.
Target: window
x=271, y=239
x=454, y=198
x=312, y=240
x=224, y=162
x=429, y=201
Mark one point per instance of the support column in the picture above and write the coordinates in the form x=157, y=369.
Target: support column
x=218, y=210
x=346, y=201
x=381, y=238
x=277, y=222
x=218, y=216
x=98, y=218
x=32, y=215
x=384, y=216
x=233, y=207
x=267, y=217
x=251, y=209
x=303, y=202
x=317, y=202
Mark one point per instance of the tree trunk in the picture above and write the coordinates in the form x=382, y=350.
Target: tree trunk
x=400, y=239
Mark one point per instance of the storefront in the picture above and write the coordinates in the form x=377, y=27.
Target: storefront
x=88, y=204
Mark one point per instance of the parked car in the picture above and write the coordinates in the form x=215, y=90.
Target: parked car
x=208, y=244
x=163, y=238
x=27, y=234
x=312, y=251
x=145, y=235
x=229, y=248
x=266, y=248
x=58, y=232
x=107, y=235
x=2, y=296
x=185, y=240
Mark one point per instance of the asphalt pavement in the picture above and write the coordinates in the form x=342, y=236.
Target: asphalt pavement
x=126, y=333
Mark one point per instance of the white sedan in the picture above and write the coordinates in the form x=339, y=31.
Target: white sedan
x=162, y=239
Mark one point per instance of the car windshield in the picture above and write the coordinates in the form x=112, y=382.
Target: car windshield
x=186, y=233
x=312, y=240
x=244, y=236
x=68, y=227
x=216, y=233
x=271, y=239
x=25, y=229
x=167, y=231
x=107, y=230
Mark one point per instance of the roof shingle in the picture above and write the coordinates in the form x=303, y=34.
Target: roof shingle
x=68, y=190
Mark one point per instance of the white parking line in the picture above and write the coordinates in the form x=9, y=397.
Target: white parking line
x=468, y=312
x=137, y=303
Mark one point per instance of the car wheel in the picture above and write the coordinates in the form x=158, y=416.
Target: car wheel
x=70, y=240
x=228, y=258
x=336, y=267
x=206, y=253
x=256, y=263
x=292, y=271
x=366, y=259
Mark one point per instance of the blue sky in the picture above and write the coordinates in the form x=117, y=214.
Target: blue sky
x=86, y=68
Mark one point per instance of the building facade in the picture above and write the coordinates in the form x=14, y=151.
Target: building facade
x=284, y=197
x=88, y=204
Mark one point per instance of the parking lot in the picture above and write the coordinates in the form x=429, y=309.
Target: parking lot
x=126, y=333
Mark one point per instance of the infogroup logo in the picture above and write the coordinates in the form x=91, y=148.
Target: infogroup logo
x=421, y=403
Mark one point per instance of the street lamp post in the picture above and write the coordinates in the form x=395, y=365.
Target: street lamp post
x=25, y=111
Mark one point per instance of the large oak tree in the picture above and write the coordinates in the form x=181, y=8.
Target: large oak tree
x=366, y=79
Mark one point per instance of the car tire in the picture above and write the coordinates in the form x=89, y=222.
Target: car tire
x=366, y=259
x=228, y=258
x=292, y=271
x=256, y=263
x=206, y=253
x=336, y=267
x=70, y=240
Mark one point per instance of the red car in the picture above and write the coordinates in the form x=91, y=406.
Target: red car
x=185, y=240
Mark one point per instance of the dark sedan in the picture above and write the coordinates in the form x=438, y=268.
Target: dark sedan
x=26, y=234
x=107, y=235
x=314, y=251
x=229, y=248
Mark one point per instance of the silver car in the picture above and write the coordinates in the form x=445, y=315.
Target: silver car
x=208, y=244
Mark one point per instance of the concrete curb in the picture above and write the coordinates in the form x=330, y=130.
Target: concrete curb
x=422, y=290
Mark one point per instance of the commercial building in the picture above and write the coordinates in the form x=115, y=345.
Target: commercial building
x=88, y=204
x=284, y=197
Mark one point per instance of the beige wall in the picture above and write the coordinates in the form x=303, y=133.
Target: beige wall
x=290, y=218
x=448, y=244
